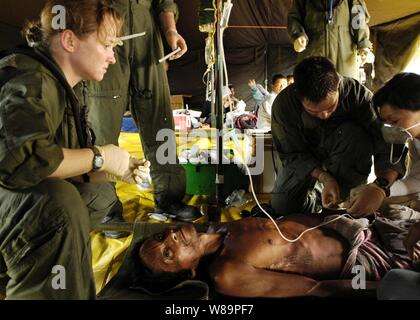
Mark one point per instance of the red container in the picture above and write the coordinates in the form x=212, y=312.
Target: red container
x=182, y=122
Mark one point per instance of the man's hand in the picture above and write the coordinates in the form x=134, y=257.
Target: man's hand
x=300, y=44
x=252, y=83
x=366, y=56
x=175, y=40
x=365, y=200
x=412, y=240
x=331, y=192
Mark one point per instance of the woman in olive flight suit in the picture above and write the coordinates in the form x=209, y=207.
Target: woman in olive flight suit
x=46, y=208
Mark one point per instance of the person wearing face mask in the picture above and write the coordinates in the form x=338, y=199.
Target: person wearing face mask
x=398, y=103
x=325, y=131
x=52, y=177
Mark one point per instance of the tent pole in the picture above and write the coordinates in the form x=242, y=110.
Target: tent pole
x=266, y=67
x=213, y=96
x=214, y=212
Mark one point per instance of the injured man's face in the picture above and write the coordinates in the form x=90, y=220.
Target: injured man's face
x=172, y=250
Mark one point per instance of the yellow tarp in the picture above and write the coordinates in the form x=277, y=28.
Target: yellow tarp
x=108, y=254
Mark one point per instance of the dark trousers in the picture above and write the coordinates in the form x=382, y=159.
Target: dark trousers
x=138, y=80
x=48, y=226
x=346, y=153
x=400, y=284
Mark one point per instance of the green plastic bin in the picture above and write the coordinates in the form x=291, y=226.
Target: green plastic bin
x=201, y=179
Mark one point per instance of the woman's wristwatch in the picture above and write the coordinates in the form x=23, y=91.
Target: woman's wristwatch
x=98, y=159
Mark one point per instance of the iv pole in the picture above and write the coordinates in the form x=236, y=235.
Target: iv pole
x=214, y=212
x=215, y=80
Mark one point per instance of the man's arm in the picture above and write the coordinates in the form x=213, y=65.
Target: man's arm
x=363, y=112
x=235, y=278
x=368, y=199
x=259, y=94
x=359, y=24
x=288, y=137
x=173, y=38
x=295, y=20
x=264, y=92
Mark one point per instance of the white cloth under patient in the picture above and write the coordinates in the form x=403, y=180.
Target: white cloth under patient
x=410, y=183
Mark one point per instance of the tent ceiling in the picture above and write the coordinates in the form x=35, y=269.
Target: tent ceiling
x=383, y=11
x=14, y=12
x=256, y=53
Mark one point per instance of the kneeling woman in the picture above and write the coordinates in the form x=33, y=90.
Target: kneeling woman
x=399, y=106
x=46, y=209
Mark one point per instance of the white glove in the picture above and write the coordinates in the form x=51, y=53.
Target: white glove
x=365, y=200
x=356, y=190
x=366, y=56
x=401, y=212
x=331, y=193
x=300, y=44
x=139, y=170
x=116, y=160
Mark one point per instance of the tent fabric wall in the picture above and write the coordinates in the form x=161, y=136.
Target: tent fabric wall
x=395, y=44
x=260, y=53
x=9, y=36
x=250, y=53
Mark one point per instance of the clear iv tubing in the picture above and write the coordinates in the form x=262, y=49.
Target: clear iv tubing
x=274, y=222
x=246, y=166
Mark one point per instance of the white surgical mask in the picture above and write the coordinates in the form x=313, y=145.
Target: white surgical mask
x=396, y=135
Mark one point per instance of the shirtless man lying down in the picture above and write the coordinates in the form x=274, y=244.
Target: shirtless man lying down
x=248, y=258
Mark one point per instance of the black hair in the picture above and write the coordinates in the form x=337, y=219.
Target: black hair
x=145, y=279
x=402, y=91
x=276, y=77
x=315, y=78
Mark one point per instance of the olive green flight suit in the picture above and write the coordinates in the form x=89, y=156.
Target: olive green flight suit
x=138, y=80
x=338, y=40
x=343, y=145
x=44, y=222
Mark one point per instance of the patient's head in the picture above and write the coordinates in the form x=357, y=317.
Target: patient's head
x=172, y=250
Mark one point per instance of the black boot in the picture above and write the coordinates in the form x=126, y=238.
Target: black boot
x=115, y=217
x=180, y=211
